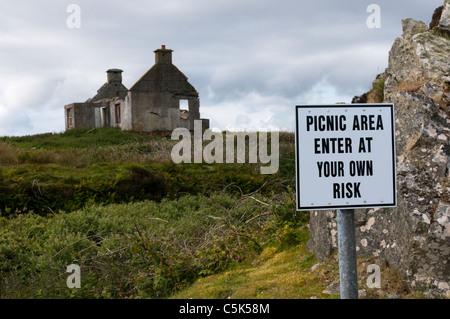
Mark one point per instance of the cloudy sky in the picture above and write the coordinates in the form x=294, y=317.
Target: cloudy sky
x=252, y=61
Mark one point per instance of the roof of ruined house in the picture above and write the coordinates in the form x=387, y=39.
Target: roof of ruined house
x=109, y=91
x=164, y=77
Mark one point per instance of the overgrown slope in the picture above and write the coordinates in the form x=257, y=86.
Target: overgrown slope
x=46, y=173
x=140, y=226
x=137, y=224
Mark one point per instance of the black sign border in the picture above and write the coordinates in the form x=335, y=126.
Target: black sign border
x=297, y=159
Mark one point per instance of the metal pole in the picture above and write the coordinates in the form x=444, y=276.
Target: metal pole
x=347, y=254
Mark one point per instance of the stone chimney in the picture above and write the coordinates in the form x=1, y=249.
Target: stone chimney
x=163, y=55
x=114, y=75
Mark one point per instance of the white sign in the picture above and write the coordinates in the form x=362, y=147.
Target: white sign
x=345, y=156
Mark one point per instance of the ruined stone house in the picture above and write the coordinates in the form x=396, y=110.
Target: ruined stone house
x=151, y=104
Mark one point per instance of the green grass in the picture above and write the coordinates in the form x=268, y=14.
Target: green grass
x=76, y=139
x=140, y=226
x=52, y=172
x=275, y=274
x=286, y=273
x=144, y=249
x=440, y=33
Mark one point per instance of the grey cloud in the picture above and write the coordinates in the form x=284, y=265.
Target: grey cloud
x=14, y=122
x=231, y=50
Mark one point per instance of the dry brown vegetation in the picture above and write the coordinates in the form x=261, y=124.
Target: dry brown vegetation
x=8, y=154
x=409, y=86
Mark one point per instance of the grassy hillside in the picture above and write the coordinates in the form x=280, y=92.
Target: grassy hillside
x=46, y=173
x=140, y=226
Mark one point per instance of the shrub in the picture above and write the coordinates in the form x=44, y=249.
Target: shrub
x=376, y=95
x=142, y=184
x=138, y=225
x=144, y=249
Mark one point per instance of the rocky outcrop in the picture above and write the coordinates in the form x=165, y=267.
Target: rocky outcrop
x=444, y=22
x=412, y=27
x=414, y=237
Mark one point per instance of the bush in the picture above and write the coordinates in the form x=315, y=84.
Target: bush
x=145, y=249
x=142, y=184
x=137, y=224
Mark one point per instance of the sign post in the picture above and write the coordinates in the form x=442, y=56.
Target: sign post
x=347, y=254
x=345, y=160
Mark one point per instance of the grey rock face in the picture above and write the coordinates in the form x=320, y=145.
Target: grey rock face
x=444, y=23
x=332, y=289
x=415, y=236
x=412, y=27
